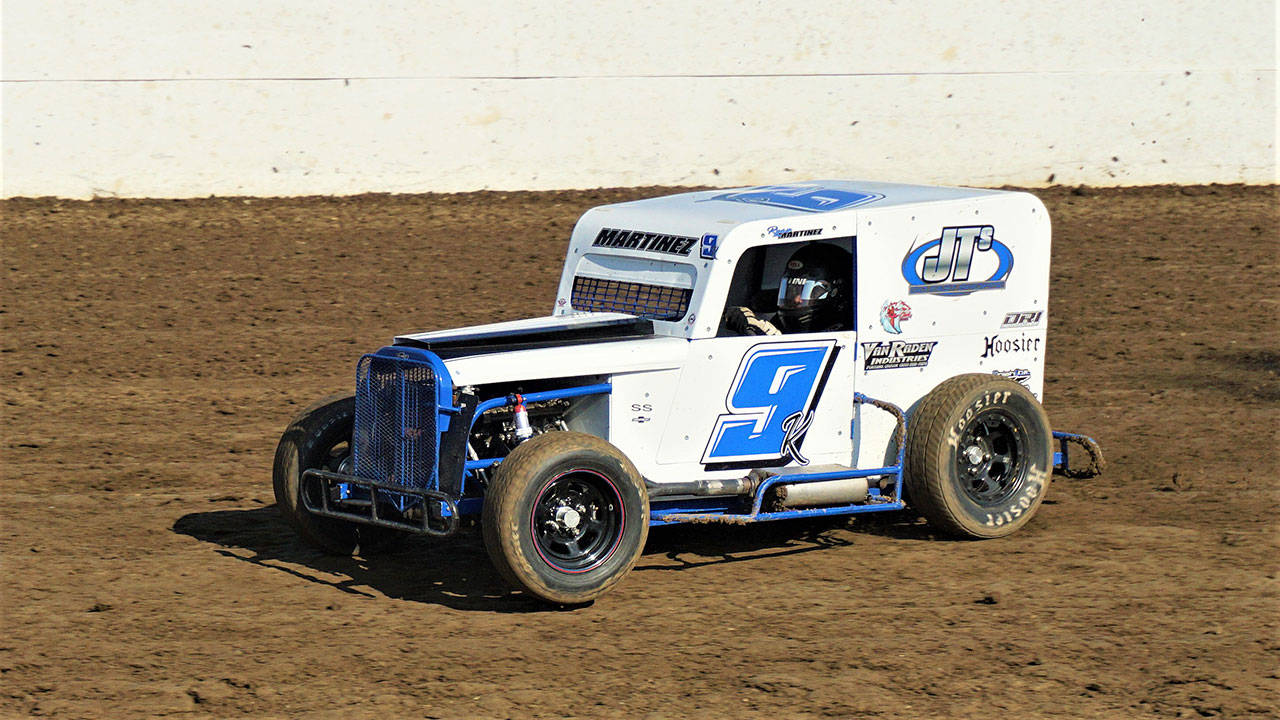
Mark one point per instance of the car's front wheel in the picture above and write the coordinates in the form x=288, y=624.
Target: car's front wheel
x=565, y=517
x=320, y=439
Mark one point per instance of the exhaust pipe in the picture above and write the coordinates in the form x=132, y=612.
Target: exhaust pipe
x=705, y=488
x=826, y=492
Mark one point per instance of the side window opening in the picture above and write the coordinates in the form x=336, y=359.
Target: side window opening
x=760, y=272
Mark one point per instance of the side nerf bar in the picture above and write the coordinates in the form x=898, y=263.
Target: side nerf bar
x=1061, y=458
x=875, y=503
x=325, y=483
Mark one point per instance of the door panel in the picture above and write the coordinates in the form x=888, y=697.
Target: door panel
x=762, y=401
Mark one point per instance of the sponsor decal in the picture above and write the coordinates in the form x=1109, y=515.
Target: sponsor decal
x=641, y=408
x=892, y=314
x=806, y=197
x=896, y=354
x=1020, y=375
x=787, y=233
x=998, y=345
x=647, y=241
x=1026, y=318
x=707, y=250
x=961, y=260
x=770, y=404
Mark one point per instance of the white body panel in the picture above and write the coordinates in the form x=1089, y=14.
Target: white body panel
x=704, y=397
x=959, y=325
x=946, y=281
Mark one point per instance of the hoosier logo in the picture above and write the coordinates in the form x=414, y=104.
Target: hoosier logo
x=997, y=345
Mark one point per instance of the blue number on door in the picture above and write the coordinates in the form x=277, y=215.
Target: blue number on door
x=770, y=403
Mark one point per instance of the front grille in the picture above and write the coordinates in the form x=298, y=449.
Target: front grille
x=395, y=429
x=654, y=302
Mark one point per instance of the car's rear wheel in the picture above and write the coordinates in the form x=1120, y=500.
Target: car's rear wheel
x=979, y=456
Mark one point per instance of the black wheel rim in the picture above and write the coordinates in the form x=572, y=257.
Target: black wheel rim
x=577, y=521
x=991, y=458
x=333, y=456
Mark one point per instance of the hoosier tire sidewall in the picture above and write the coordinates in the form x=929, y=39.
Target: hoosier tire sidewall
x=934, y=483
x=509, y=502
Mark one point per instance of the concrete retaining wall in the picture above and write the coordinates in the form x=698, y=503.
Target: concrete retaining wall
x=167, y=98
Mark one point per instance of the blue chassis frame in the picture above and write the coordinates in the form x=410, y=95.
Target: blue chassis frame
x=661, y=511
x=718, y=509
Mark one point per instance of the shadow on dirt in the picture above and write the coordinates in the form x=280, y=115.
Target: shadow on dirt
x=455, y=571
x=694, y=546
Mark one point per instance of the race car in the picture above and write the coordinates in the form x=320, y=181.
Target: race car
x=724, y=356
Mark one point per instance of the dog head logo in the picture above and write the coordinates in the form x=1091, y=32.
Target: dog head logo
x=892, y=314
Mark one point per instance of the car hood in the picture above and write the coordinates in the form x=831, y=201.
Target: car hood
x=551, y=347
x=601, y=358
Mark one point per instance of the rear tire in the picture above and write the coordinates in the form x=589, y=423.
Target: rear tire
x=979, y=456
x=565, y=518
x=320, y=438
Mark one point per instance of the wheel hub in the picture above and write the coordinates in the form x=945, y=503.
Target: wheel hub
x=568, y=518
x=577, y=521
x=990, y=458
x=975, y=454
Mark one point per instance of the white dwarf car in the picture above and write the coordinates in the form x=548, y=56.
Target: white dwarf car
x=727, y=356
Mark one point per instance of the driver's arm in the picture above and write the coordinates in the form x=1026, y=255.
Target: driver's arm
x=744, y=322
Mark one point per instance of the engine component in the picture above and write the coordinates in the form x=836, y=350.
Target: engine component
x=524, y=430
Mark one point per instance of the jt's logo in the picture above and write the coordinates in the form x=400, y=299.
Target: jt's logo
x=960, y=261
x=770, y=404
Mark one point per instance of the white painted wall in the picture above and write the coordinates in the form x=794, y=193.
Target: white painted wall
x=173, y=98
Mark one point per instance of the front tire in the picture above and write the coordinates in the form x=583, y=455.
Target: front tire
x=320, y=438
x=979, y=456
x=565, y=518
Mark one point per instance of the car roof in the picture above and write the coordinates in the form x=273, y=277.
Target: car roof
x=791, y=200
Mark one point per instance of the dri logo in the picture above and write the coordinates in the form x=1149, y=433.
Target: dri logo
x=1028, y=318
x=770, y=404
x=944, y=266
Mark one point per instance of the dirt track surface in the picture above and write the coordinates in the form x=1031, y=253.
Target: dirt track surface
x=152, y=352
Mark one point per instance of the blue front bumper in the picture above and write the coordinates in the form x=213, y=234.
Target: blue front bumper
x=404, y=410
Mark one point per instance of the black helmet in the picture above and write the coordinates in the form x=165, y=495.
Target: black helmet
x=814, y=292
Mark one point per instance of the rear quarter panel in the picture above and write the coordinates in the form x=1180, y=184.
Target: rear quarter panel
x=990, y=317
